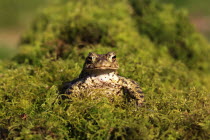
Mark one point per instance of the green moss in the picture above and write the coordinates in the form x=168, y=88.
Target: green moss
x=169, y=27
x=6, y=51
x=53, y=51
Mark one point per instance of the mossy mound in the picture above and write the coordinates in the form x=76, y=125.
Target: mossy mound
x=52, y=52
x=168, y=27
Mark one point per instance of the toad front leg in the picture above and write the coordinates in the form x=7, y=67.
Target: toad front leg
x=133, y=89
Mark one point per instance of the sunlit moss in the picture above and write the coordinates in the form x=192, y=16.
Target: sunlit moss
x=53, y=50
x=169, y=27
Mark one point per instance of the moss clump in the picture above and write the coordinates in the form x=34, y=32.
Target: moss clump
x=81, y=27
x=168, y=27
x=52, y=52
x=84, y=33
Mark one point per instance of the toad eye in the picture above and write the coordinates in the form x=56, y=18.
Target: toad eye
x=114, y=57
x=89, y=60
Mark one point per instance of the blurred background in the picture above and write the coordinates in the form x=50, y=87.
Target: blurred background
x=16, y=16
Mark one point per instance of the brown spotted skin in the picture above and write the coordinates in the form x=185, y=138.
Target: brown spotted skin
x=99, y=73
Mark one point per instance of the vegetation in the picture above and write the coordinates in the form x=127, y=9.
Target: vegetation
x=193, y=5
x=156, y=46
x=6, y=52
x=17, y=13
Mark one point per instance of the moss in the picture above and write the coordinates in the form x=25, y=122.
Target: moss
x=53, y=51
x=169, y=27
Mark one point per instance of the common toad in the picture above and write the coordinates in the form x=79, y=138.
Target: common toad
x=99, y=73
